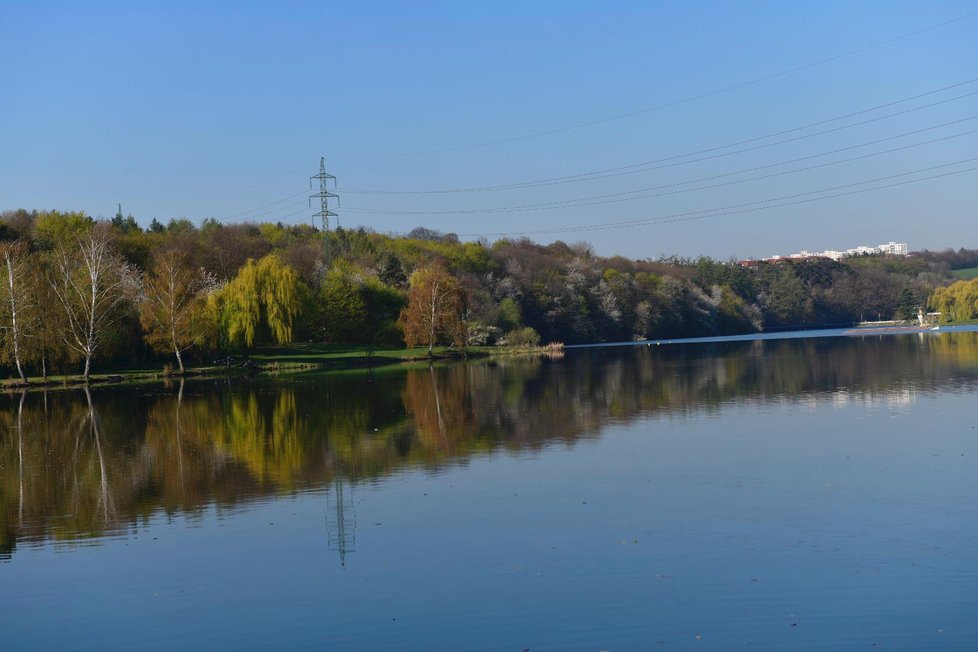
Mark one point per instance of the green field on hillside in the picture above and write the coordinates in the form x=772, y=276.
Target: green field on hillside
x=971, y=272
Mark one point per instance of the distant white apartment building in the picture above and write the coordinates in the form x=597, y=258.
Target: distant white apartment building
x=892, y=248
x=895, y=248
x=862, y=250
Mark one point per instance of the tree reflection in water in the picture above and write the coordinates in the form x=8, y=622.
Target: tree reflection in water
x=91, y=463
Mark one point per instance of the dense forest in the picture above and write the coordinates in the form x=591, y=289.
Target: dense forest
x=77, y=291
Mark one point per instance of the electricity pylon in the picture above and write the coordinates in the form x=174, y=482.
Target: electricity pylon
x=324, y=196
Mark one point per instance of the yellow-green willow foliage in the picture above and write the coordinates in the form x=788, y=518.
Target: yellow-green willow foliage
x=956, y=302
x=266, y=440
x=260, y=303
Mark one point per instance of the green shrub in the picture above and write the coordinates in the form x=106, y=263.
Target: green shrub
x=526, y=336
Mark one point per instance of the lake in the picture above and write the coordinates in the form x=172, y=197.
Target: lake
x=815, y=493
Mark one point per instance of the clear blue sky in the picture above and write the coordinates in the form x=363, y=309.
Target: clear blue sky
x=187, y=109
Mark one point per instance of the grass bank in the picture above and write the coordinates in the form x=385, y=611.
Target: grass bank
x=965, y=274
x=291, y=358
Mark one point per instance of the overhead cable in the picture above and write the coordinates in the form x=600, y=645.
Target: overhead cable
x=773, y=202
x=673, y=103
x=631, y=195
x=676, y=159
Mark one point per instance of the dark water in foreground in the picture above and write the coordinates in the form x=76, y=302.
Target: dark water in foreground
x=793, y=494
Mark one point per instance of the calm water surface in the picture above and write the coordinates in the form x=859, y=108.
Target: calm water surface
x=793, y=494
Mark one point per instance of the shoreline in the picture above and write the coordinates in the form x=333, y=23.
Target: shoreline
x=296, y=358
x=320, y=357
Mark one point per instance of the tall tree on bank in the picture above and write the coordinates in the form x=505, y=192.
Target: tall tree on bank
x=260, y=303
x=956, y=302
x=19, y=304
x=173, y=302
x=436, y=304
x=91, y=283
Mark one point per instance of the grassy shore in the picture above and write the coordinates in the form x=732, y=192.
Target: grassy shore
x=295, y=357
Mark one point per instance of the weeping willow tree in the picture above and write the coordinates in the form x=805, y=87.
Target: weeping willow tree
x=956, y=302
x=260, y=304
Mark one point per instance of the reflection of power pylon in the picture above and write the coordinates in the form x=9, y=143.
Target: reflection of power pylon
x=342, y=532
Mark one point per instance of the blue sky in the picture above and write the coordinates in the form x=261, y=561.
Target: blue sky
x=223, y=109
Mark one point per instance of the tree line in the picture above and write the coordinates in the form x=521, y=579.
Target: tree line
x=77, y=291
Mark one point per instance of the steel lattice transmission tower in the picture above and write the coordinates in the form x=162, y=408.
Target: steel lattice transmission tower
x=324, y=196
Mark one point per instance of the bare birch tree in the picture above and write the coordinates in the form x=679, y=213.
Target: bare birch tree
x=91, y=283
x=19, y=305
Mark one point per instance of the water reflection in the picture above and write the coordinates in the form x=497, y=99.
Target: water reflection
x=76, y=465
x=341, y=520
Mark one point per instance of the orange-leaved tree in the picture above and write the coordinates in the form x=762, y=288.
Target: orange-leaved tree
x=435, y=309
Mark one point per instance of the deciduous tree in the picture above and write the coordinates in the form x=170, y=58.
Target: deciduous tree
x=434, y=311
x=261, y=302
x=956, y=302
x=19, y=310
x=91, y=283
x=173, y=303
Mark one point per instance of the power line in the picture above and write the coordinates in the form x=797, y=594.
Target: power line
x=673, y=103
x=725, y=210
x=601, y=120
x=279, y=217
x=802, y=201
x=646, y=166
x=676, y=159
x=749, y=206
x=231, y=192
x=261, y=208
x=636, y=194
x=631, y=195
x=788, y=203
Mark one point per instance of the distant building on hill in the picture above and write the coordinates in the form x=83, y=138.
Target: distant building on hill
x=895, y=248
x=891, y=248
